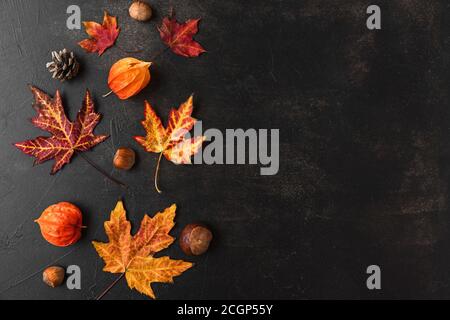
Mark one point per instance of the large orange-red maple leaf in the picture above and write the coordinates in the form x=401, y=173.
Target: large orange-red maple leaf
x=132, y=256
x=179, y=37
x=102, y=36
x=67, y=137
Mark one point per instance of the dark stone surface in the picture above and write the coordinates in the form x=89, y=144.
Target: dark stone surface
x=364, y=118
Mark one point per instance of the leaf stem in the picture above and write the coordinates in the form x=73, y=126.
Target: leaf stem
x=104, y=293
x=157, y=173
x=108, y=94
x=103, y=172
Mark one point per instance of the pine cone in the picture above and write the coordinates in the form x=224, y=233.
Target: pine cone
x=64, y=65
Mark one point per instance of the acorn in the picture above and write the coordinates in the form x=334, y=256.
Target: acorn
x=124, y=159
x=195, y=239
x=54, y=276
x=140, y=11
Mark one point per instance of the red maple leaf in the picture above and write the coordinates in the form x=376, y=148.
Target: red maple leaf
x=102, y=36
x=179, y=37
x=67, y=137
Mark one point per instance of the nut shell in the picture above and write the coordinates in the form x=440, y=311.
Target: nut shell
x=140, y=11
x=53, y=276
x=124, y=159
x=195, y=239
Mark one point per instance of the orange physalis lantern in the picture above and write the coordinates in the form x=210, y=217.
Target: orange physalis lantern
x=61, y=224
x=128, y=77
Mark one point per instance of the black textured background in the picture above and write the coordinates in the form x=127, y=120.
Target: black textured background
x=365, y=152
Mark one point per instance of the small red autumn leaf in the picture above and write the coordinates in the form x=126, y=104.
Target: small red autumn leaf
x=179, y=37
x=102, y=36
x=67, y=137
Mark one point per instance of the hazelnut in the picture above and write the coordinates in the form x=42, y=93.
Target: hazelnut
x=124, y=159
x=140, y=11
x=54, y=276
x=195, y=239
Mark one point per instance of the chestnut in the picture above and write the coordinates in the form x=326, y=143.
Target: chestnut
x=195, y=239
x=124, y=159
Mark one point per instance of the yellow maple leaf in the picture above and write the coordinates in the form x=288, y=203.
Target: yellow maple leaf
x=132, y=256
x=171, y=141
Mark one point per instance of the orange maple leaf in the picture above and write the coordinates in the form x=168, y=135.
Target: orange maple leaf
x=132, y=256
x=102, y=36
x=171, y=141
